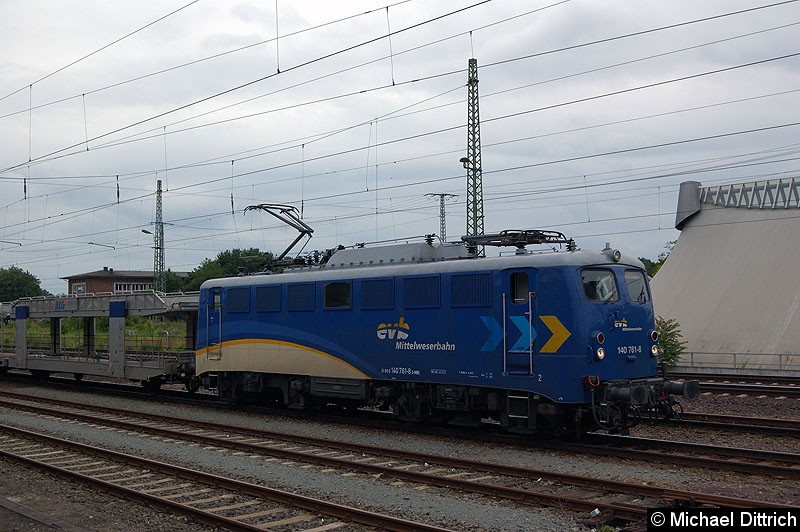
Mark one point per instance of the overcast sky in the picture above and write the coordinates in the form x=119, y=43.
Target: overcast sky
x=592, y=113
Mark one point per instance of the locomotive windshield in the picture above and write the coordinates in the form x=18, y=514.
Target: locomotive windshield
x=637, y=287
x=599, y=285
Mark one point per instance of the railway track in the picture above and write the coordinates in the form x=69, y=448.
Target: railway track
x=767, y=380
x=620, y=500
x=208, y=498
x=736, y=388
x=738, y=423
x=751, y=461
x=759, y=385
x=782, y=427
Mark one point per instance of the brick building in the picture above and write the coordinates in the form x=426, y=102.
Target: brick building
x=109, y=280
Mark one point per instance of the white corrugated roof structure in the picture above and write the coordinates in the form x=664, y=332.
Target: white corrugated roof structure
x=732, y=281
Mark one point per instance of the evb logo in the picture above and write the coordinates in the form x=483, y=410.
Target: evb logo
x=393, y=331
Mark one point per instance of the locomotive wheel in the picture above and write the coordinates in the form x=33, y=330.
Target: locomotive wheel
x=407, y=408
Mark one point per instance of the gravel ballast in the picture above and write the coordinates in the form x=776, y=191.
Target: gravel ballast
x=445, y=508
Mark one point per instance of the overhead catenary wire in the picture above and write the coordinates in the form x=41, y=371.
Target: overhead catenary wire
x=575, y=46
x=390, y=203
x=538, y=54
x=249, y=83
x=325, y=135
x=562, y=188
x=395, y=161
x=90, y=54
x=183, y=65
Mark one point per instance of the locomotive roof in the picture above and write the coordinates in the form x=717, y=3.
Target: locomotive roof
x=388, y=261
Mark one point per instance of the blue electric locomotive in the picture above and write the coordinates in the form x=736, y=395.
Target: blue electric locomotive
x=558, y=341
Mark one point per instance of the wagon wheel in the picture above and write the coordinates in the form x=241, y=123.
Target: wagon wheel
x=192, y=385
x=152, y=386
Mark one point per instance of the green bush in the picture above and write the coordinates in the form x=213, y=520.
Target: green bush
x=670, y=345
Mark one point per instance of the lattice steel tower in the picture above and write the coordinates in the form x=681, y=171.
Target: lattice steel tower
x=442, y=214
x=472, y=162
x=159, y=275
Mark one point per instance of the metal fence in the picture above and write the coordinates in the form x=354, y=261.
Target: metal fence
x=756, y=363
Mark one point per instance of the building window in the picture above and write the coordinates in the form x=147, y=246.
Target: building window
x=132, y=287
x=79, y=288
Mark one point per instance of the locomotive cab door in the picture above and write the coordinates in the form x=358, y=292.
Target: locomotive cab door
x=519, y=316
x=214, y=324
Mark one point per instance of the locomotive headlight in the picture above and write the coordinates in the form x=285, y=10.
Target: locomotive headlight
x=654, y=336
x=654, y=351
x=616, y=255
x=600, y=337
x=600, y=354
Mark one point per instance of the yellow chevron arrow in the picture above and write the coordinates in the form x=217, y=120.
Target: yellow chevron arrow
x=560, y=334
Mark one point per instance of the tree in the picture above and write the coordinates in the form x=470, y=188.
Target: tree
x=208, y=269
x=245, y=261
x=228, y=264
x=175, y=283
x=670, y=345
x=652, y=267
x=16, y=283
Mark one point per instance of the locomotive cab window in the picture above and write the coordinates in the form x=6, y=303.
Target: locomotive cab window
x=637, y=287
x=337, y=295
x=599, y=285
x=520, y=292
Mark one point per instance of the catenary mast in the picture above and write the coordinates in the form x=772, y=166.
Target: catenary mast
x=472, y=162
x=159, y=274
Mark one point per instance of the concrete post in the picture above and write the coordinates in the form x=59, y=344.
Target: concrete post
x=55, y=336
x=21, y=326
x=89, y=334
x=116, y=338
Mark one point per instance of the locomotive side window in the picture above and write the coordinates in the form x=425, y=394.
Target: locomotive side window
x=519, y=287
x=637, y=287
x=471, y=290
x=377, y=294
x=599, y=285
x=336, y=295
x=301, y=296
x=268, y=298
x=421, y=292
x=217, y=300
x=238, y=300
